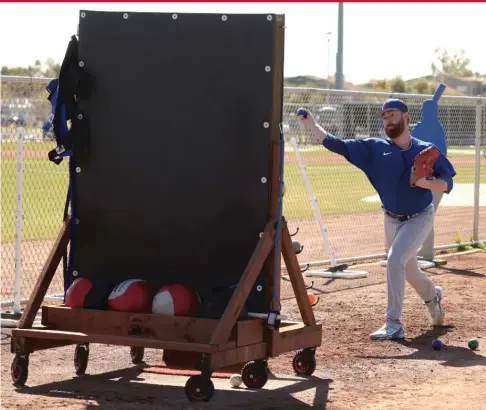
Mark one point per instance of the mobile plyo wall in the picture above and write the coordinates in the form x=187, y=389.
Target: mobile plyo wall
x=175, y=176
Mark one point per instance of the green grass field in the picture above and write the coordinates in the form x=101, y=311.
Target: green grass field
x=338, y=188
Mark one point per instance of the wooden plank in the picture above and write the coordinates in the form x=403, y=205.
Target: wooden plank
x=240, y=295
x=45, y=278
x=24, y=345
x=296, y=278
x=239, y=355
x=136, y=341
x=173, y=328
x=249, y=332
x=273, y=279
x=295, y=337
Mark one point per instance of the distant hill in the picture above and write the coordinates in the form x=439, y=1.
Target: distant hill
x=421, y=85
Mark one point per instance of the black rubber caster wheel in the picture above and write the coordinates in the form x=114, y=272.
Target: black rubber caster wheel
x=199, y=388
x=304, y=363
x=136, y=354
x=255, y=374
x=20, y=369
x=81, y=355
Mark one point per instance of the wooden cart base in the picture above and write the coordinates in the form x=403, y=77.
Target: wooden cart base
x=215, y=344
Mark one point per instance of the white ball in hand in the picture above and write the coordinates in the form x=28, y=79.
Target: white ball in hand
x=235, y=380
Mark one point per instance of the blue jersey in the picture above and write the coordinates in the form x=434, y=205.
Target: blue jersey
x=388, y=168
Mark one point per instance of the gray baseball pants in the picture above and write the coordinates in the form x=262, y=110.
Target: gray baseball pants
x=403, y=239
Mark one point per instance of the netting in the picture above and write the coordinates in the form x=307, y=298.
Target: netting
x=347, y=202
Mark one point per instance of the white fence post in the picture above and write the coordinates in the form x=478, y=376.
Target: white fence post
x=477, y=170
x=19, y=218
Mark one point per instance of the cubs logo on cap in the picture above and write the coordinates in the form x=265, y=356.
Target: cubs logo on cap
x=394, y=104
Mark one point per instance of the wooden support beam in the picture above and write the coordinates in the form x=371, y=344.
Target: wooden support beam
x=240, y=295
x=296, y=278
x=45, y=278
x=135, y=341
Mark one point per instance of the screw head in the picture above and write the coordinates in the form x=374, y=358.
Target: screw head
x=80, y=116
x=266, y=124
x=125, y=15
x=268, y=69
x=174, y=16
x=264, y=180
x=81, y=63
x=78, y=169
x=83, y=15
x=75, y=273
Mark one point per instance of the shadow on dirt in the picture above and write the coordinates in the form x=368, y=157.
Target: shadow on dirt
x=122, y=390
x=453, y=356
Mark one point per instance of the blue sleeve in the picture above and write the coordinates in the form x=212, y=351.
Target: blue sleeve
x=357, y=152
x=443, y=169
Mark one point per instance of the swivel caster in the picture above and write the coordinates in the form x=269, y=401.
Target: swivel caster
x=199, y=388
x=304, y=362
x=136, y=354
x=81, y=355
x=20, y=369
x=255, y=374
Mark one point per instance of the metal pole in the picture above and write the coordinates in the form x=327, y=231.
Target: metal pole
x=339, y=55
x=477, y=168
x=328, y=59
x=19, y=218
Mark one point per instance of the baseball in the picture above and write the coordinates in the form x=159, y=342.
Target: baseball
x=473, y=344
x=437, y=344
x=235, y=380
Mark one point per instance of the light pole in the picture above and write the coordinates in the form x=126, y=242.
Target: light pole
x=329, y=59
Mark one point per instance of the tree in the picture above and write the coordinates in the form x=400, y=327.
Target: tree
x=456, y=65
x=37, y=70
x=421, y=86
x=398, y=85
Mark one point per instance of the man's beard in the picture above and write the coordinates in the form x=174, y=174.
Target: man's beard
x=395, y=130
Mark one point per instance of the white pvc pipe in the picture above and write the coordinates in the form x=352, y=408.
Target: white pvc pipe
x=477, y=171
x=379, y=255
x=19, y=218
x=313, y=201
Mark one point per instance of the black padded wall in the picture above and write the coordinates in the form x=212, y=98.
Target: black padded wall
x=181, y=121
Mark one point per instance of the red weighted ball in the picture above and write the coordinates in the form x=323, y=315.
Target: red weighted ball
x=133, y=295
x=77, y=292
x=175, y=300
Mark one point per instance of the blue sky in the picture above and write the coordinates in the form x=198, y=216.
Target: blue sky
x=381, y=40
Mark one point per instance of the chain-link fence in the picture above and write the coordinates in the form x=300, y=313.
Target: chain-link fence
x=34, y=189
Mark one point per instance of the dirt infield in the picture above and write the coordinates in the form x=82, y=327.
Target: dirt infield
x=352, y=371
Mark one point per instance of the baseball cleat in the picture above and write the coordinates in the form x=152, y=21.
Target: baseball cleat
x=435, y=309
x=389, y=331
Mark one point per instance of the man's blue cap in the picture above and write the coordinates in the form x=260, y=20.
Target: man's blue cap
x=394, y=104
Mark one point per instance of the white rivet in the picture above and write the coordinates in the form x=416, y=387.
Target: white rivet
x=267, y=68
x=269, y=17
x=83, y=15
x=75, y=273
x=264, y=180
x=76, y=221
x=174, y=17
x=224, y=17
x=259, y=288
x=80, y=116
x=260, y=234
x=125, y=15
x=266, y=124
x=78, y=169
x=81, y=63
